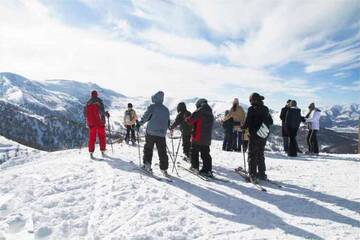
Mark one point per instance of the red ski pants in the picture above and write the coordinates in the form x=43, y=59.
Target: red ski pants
x=100, y=131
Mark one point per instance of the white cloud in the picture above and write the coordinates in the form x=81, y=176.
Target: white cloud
x=276, y=32
x=38, y=46
x=177, y=45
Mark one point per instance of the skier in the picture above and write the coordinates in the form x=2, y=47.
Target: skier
x=292, y=124
x=257, y=115
x=238, y=115
x=158, y=118
x=228, y=125
x=202, y=121
x=185, y=128
x=313, y=118
x=284, y=132
x=94, y=113
x=130, y=120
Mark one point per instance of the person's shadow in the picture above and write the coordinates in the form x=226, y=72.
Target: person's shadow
x=238, y=210
x=338, y=201
x=301, y=206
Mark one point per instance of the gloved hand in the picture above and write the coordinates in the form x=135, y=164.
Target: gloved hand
x=107, y=114
x=137, y=125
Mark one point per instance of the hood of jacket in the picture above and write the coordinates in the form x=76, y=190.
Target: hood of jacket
x=206, y=109
x=200, y=102
x=158, y=98
x=181, y=107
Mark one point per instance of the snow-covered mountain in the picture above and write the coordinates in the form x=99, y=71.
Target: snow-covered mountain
x=48, y=115
x=341, y=118
x=63, y=195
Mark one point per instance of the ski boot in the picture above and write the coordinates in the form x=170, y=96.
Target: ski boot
x=165, y=173
x=262, y=177
x=194, y=170
x=103, y=154
x=253, y=179
x=147, y=167
x=208, y=174
x=92, y=155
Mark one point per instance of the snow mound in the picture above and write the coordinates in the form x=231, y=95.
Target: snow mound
x=64, y=195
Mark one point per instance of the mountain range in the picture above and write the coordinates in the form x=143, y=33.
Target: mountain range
x=48, y=115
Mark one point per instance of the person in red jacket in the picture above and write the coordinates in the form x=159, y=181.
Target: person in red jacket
x=95, y=114
x=202, y=121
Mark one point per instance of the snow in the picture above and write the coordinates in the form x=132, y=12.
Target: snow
x=64, y=195
x=344, y=129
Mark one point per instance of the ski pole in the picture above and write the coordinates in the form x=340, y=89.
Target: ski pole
x=138, y=140
x=174, y=167
x=177, y=151
x=172, y=145
x=178, y=147
x=243, y=152
x=109, y=129
x=175, y=158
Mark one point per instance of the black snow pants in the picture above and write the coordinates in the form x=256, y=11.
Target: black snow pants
x=293, y=146
x=256, y=156
x=160, y=142
x=130, y=129
x=204, y=151
x=186, y=144
x=312, y=141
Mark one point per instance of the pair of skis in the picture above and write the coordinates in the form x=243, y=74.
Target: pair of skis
x=247, y=178
x=164, y=178
x=203, y=177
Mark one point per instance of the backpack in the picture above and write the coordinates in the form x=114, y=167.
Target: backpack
x=264, y=130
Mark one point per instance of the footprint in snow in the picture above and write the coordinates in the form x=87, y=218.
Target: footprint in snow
x=43, y=232
x=16, y=223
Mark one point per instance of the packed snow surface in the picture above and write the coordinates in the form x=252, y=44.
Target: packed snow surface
x=65, y=195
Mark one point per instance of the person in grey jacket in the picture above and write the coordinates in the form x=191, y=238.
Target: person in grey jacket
x=158, y=118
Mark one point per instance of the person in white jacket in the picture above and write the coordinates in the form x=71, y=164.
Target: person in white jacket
x=313, y=120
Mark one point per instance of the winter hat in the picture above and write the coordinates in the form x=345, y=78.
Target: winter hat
x=200, y=102
x=293, y=103
x=236, y=101
x=130, y=105
x=288, y=101
x=94, y=94
x=312, y=106
x=256, y=98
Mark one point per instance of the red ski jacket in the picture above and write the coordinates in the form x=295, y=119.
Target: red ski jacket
x=94, y=113
x=202, y=121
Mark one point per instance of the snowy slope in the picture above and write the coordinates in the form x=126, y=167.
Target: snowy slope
x=10, y=149
x=64, y=195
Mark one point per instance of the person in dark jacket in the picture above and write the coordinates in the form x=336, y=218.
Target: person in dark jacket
x=228, y=125
x=94, y=113
x=185, y=128
x=257, y=115
x=292, y=124
x=202, y=121
x=158, y=118
x=284, y=132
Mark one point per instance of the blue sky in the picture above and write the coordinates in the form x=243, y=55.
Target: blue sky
x=303, y=50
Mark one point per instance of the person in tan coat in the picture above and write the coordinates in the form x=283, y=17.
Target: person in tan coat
x=130, y=119
x=237, y=113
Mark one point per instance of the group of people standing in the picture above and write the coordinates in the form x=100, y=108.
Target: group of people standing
x=243, y=132
x=291, y=119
